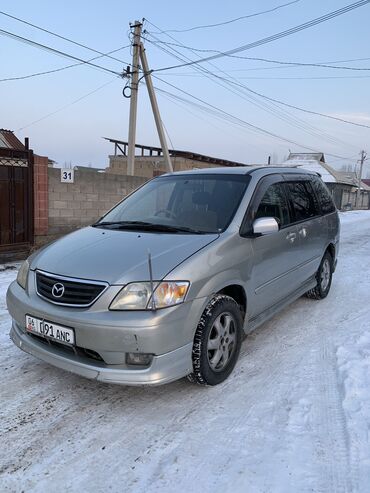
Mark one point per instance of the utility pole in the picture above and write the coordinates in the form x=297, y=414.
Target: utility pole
x=153, y=101
x=362, y=160
x=133, y=100
x=138, y=54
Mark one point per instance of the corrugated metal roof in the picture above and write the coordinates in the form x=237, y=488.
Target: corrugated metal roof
x=312, y=164
x=10, y=141
x=316, y=162
x=307, y=156
x=184, y=154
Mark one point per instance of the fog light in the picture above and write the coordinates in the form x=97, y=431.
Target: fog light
x=143, y=359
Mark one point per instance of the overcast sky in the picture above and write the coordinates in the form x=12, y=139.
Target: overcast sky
x=74, y=134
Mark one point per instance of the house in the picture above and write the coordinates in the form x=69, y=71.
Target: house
x=343, y=185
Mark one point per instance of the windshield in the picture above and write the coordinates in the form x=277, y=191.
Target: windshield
x=183, y=203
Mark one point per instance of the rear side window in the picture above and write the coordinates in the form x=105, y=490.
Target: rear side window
x=302, y=199
x=274, y=204
x=323, y=195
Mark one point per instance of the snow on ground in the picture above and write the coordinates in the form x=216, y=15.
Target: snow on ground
x=293, y=417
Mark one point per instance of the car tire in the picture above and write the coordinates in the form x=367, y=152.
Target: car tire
x=324, y=277
x=217, y=341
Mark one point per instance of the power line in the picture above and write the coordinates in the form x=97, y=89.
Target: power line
x=238, y=84
x=275, y=110
x=230, y=118
x=285, y=116
x=173, y=97
x=293, y=106
x=292, y=120
x=315, y=64
x=56, y=52
x=229, y=21
x=244, y=122
x=181, y=103
x=274, y=37
x=310, y=78
x=267, y=60
x=29, y=76
x=61, y=37
x=185, y=103
x=247, y=77
x=67, y=105
x=167, y=133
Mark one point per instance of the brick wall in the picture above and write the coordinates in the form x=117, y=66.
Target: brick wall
x=40, y=176
x=73, y=205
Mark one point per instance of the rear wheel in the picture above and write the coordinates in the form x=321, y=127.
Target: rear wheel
x=323, y=277
x=217, y=341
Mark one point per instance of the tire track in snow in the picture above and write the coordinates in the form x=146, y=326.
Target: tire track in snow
x=331, y=422
x=254, y=382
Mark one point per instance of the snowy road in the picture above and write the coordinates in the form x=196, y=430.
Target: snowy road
x=293, y=417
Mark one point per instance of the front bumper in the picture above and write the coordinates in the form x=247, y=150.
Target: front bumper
x=167, y=334
x=163, y=369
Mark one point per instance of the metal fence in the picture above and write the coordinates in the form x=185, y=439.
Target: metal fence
x=351, y=201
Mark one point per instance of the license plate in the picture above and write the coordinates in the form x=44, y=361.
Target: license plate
x=50, y=330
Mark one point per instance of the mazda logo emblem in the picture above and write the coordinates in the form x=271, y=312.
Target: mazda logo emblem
x=57, y=290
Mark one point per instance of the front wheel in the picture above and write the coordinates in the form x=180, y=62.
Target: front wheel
x=324, y=277
x=217, y=341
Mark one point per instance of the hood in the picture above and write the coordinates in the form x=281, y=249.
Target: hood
x=118, y=257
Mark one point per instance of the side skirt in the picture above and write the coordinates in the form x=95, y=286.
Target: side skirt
x=255, y=322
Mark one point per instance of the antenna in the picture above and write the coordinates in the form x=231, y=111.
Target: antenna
x=151, y=279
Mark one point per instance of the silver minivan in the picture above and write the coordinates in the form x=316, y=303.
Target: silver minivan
x=170, y=280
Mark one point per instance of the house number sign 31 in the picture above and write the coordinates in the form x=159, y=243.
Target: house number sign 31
x=67, y=175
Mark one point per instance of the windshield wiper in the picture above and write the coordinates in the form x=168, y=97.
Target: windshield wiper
x=146, y=226
x=120, y=223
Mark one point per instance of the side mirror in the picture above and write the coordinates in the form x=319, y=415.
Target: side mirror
x=265, y=226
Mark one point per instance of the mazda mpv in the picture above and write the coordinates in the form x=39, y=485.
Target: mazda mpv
x=169, y=281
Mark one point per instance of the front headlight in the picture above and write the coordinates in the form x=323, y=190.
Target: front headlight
x=137, y=295
x=23, y=274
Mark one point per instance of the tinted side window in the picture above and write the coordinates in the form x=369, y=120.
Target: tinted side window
x=274, y=204
x=302, y=199
x=323, y=194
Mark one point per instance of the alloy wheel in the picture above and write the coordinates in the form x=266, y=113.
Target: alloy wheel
x=221, y=341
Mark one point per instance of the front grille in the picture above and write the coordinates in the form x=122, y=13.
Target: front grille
x=68, y=291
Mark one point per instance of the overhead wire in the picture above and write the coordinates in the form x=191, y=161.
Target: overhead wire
x=252, y=77
x=274, y=37
x=64, y=38
x=291, y=119
x=244, y=122
x=55, y=51
x=277, y=62
x=184, y=104
x=37, y=74
x=167, y=133
x=66, y=55
x=233, y=81
x=60, y=53
x=283, y=103
x=222, y=117
x=230, y=21
x=328, y=77
x=67, y=105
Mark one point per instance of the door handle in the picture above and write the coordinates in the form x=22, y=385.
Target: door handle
x=291, y=237
x=303, y=232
